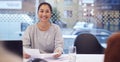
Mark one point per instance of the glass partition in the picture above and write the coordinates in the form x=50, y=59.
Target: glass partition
x=99, y=17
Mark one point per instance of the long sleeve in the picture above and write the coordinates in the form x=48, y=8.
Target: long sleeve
x=26, y=38
x=59, y=42
x=46, y=41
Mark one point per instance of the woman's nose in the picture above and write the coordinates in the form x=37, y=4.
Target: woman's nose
x=44, y=13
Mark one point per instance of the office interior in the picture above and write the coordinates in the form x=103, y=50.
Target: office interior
x=99, y=17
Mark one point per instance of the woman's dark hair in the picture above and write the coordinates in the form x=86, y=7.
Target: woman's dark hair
x=112, y=52
x=45, y=3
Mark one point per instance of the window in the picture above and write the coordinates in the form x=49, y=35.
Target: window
x=68, y=2
x=68, y=13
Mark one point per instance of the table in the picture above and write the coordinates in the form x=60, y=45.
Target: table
x=65, y=58
x=90, y=58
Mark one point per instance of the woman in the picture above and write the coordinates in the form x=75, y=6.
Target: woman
x=112, y=52
x=44, y=35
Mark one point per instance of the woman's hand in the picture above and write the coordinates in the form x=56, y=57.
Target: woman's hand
x=26, y=56
x=57, y=54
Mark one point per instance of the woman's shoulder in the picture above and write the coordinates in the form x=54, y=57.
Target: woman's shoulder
x=55, y=25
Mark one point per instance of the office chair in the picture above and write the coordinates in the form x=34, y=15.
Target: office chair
x=87, y=43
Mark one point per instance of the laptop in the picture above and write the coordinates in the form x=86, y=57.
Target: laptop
x=13, y=46
x=11, y=50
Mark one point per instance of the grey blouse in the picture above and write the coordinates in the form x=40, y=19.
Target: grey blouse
x=45, y=41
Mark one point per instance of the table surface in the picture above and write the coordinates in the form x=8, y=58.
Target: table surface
x=66, y=57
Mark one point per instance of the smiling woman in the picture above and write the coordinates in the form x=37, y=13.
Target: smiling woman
x=44, y=35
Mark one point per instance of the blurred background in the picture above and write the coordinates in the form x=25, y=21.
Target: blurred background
x=99, y=17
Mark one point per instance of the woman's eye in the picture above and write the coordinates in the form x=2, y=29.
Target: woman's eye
x=47, y=11
x=41, y=11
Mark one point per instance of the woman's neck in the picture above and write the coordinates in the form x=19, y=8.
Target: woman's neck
x=44, y=26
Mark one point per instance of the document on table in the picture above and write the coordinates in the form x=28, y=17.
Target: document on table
x=48, y=57
x=33, y=52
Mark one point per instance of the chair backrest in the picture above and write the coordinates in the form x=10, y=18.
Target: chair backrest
x=87, y=43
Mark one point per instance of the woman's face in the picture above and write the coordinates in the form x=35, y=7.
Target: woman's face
x=44, y=13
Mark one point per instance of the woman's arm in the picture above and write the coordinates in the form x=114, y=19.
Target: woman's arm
x=26, y=38
x=26, y=42
x=59, y=42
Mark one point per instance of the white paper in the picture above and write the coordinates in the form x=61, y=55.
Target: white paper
x=33, y=52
